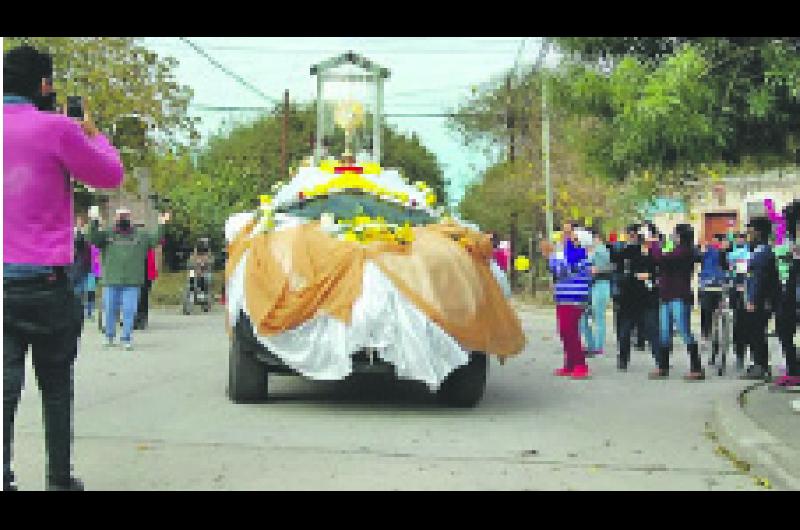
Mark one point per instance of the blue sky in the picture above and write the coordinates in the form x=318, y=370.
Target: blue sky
x=429, y=75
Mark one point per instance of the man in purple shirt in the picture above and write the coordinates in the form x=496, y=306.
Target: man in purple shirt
x=41, y=151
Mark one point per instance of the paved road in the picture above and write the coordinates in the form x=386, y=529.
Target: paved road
x=158, y=418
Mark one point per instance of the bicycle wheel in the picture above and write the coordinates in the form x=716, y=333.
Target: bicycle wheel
x=715, y=336
x=725, y=341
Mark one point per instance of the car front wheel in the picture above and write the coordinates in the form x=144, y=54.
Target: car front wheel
x=247, y=376
x=464, y=386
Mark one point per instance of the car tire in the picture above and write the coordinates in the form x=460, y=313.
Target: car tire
x=247, y=376
x=464, y=386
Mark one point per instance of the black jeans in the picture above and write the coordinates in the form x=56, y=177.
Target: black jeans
x=647, y=319
x=144, y=301
x=53, y=358
x=709, y=301
x=755, y=329
x=786, y=327
x=740, y=334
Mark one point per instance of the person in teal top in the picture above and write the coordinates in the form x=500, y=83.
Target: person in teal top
x=124, y=250
x=593, y=322
x=738, y=260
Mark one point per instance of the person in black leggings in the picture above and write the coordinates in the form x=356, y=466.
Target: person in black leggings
x=786, y=315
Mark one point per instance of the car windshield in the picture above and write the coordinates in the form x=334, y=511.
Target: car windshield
x=350, y=205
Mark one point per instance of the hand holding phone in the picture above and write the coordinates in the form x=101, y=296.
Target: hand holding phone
x=75, y=107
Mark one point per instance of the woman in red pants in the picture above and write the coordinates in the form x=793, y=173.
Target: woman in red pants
x=571, y=272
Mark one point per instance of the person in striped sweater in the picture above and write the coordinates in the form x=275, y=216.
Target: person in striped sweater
x=571, y=271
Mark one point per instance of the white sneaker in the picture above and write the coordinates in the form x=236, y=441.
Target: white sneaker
x=109, y=343
x=127, y=345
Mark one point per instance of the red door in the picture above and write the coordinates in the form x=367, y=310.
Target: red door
x=719, y=223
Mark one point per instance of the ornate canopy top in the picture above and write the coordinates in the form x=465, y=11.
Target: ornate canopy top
x=351, y=57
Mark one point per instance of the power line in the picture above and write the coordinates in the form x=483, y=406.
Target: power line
x=375, y=52
x=210, y=108
x=238, y=78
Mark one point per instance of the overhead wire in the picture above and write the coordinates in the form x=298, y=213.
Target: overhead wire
x=227, y=71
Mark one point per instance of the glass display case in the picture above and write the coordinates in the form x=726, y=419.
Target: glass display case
x=349, y=109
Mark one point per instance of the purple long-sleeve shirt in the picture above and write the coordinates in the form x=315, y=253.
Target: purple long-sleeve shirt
x=675, y=276
x=40, y=151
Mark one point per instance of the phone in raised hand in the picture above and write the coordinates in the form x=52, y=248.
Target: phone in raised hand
x=75, y=107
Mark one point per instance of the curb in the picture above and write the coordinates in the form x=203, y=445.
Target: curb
x=762, y=451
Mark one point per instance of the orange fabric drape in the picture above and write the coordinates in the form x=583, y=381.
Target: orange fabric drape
x=294, y=274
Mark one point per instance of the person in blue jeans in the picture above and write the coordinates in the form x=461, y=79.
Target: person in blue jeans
x=675, y=274
x=124, y=251
x=594, y=329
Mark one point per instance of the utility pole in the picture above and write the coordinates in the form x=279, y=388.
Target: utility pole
x=546, y=159
x=509, y=120
x=284, y=168
x=513, y=249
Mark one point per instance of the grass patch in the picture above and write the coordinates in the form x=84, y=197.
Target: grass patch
x=168, y=289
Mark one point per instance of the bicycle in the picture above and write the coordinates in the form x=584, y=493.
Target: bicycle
x=721, y=325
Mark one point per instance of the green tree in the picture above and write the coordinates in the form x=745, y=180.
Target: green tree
x=119, y=76
x=670, y=104
x=488, y=119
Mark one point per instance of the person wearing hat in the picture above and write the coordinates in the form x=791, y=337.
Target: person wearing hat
x=41, y=151
x=124, y=249
x=760, y=296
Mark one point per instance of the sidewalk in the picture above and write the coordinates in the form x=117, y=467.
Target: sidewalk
x=760, y=427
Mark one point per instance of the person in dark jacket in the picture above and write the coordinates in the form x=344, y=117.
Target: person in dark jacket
x=638, y=297
x=760, y=296
x=713, y=269
x=786, y=316
x=675, y=280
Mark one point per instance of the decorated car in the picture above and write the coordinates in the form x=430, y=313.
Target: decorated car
x=348, y=267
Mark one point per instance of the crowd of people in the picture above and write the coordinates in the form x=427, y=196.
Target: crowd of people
x=648, y=278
